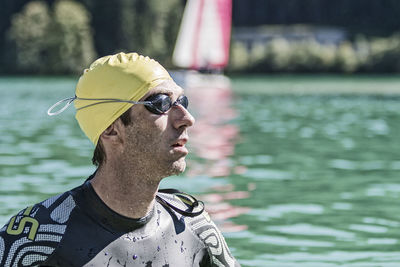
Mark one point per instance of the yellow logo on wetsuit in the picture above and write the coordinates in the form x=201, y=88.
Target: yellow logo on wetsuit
x=22, y=224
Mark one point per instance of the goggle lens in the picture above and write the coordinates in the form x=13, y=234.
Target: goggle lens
x=161, y=103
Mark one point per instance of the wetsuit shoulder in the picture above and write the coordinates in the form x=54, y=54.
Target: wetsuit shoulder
x=200, y=223
x=33, y=234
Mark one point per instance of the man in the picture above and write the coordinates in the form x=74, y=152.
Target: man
x=136, y=115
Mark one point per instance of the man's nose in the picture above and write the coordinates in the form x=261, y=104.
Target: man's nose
x=181, y=117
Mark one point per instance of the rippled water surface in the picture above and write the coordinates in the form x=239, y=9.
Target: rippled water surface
x=292, y=180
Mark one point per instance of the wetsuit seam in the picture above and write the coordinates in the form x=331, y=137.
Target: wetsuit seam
x=197, y=236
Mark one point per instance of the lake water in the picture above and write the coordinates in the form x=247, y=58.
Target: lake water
x=304, y=179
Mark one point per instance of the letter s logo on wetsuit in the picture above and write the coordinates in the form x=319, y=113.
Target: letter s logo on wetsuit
x=14, y=229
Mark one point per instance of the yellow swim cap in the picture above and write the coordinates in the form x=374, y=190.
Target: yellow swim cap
x=121, y=76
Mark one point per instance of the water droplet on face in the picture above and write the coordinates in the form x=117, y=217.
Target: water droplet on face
x=134, y=256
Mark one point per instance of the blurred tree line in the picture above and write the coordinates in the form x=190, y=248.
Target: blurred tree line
x=64, y=36
x=363, y=55
x=367, y=17
x=372, y=29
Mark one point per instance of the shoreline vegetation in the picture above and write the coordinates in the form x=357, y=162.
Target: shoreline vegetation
x=363, y=55
x=63, y=37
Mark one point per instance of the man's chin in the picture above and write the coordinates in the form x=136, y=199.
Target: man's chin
x=178, y=167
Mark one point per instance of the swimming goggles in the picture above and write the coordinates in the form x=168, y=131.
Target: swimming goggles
x=157, y=103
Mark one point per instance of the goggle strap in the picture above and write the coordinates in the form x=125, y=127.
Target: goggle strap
x=108, y=100
x=68, y=101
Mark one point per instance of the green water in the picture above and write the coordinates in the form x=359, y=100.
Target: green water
x=308, y=179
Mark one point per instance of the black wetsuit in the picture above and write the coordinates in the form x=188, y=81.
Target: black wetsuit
x=77, y=229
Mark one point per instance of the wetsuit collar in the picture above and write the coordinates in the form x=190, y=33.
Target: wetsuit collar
x=98, y=210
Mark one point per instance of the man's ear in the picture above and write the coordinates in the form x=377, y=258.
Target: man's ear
x=113, y=134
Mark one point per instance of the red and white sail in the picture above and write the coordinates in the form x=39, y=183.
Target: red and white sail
x=204, y=36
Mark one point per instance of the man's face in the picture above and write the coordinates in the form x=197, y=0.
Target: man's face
x=155, y=142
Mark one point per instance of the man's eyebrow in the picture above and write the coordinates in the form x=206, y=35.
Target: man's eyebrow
x=165, y=91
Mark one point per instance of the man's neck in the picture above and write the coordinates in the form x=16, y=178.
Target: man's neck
x=131, y=195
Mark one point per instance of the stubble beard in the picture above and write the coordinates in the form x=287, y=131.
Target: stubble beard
x=141, y=154
x=177, y=166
